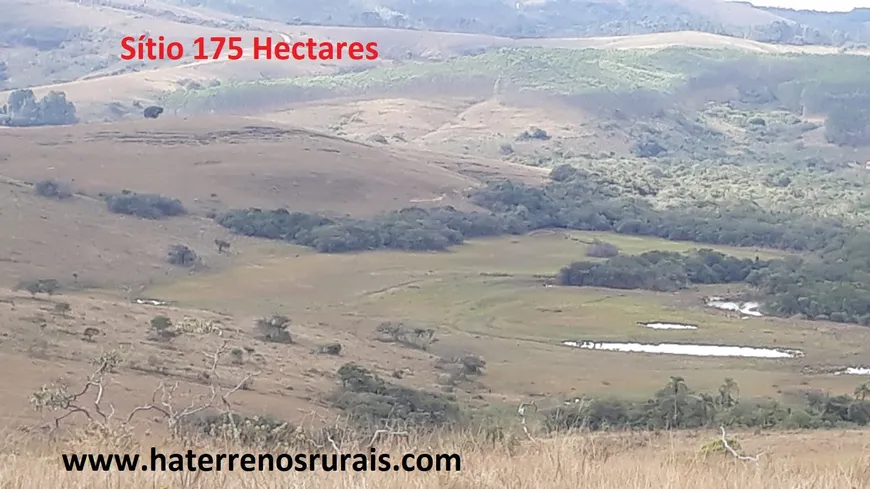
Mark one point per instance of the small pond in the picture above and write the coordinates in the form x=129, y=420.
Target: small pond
x=745, y=308
x=687, y=349
x=854, y=371
x=666, y=325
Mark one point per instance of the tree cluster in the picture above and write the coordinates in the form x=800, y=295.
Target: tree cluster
x=676, y=406
x=661, y=270
x=181, y=255
x=368, y=398
x=408, y=229
x=146, y=206
x=23, y=110
x=53, y=189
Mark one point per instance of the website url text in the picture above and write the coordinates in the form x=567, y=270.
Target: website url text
x=263, y=462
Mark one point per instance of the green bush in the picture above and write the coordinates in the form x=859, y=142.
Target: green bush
x=147, y=206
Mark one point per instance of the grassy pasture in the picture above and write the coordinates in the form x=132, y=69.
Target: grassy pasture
x=484, y=298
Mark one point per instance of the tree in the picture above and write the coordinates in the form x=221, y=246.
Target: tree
x=677, y=388
x=22, y=108
x=52, y=189
x=862, y=391
x=222, y=245
x=89, y=333
x=163, y=328
x=181, y=255
x=602, y=249
x=274, y=329
x=708, y=406
x=472, y=364
x=62, y=308
x=848, y=125
x=4, y=72
x=53, y=109
x=562, y=173
x=648, y=148
x=49, y=286
x=728, y=393
x=43, y=286
x=56, y=110
x=152, y=112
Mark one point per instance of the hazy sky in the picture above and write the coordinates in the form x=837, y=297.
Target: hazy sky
x=827, y=5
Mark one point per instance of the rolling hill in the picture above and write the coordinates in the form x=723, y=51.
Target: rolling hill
x=211, y=165
x=566, y=18
x=422, y=244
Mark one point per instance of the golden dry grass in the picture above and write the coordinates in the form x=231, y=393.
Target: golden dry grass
x=209, y=164
x=219, y=163
x=457, y=124
x=797, y=460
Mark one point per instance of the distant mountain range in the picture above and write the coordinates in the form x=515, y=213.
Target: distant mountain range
x=568, y=18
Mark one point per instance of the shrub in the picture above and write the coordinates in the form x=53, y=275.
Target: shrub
x=253, y=431
x=330, y=349
x=371, y=400
x=562, y=173
x=472, y=364
x=601, y=249
x=62, y=308
x=417, y=338
x=146, y=206
x=182, y=255
x=648, y=148
x=274, y=329
x=52, y=189
x=163, y=328
x=39, y=286
x=533, y=133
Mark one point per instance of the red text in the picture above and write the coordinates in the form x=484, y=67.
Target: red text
x=231, y=44
x=231, y=47
x=147, y=48
x=313, y=50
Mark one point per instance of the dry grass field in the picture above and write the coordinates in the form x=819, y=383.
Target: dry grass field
x=219, y=163
x=793, y=460
x=460, y=125
x=210, y=165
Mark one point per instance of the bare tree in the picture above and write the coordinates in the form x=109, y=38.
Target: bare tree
x=88, y=401
x=727, y=446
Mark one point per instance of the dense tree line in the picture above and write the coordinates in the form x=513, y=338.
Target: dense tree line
x=407, y=229
x=661, y=270
x=676, y=406
x=24, y=109
x=834, y=284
